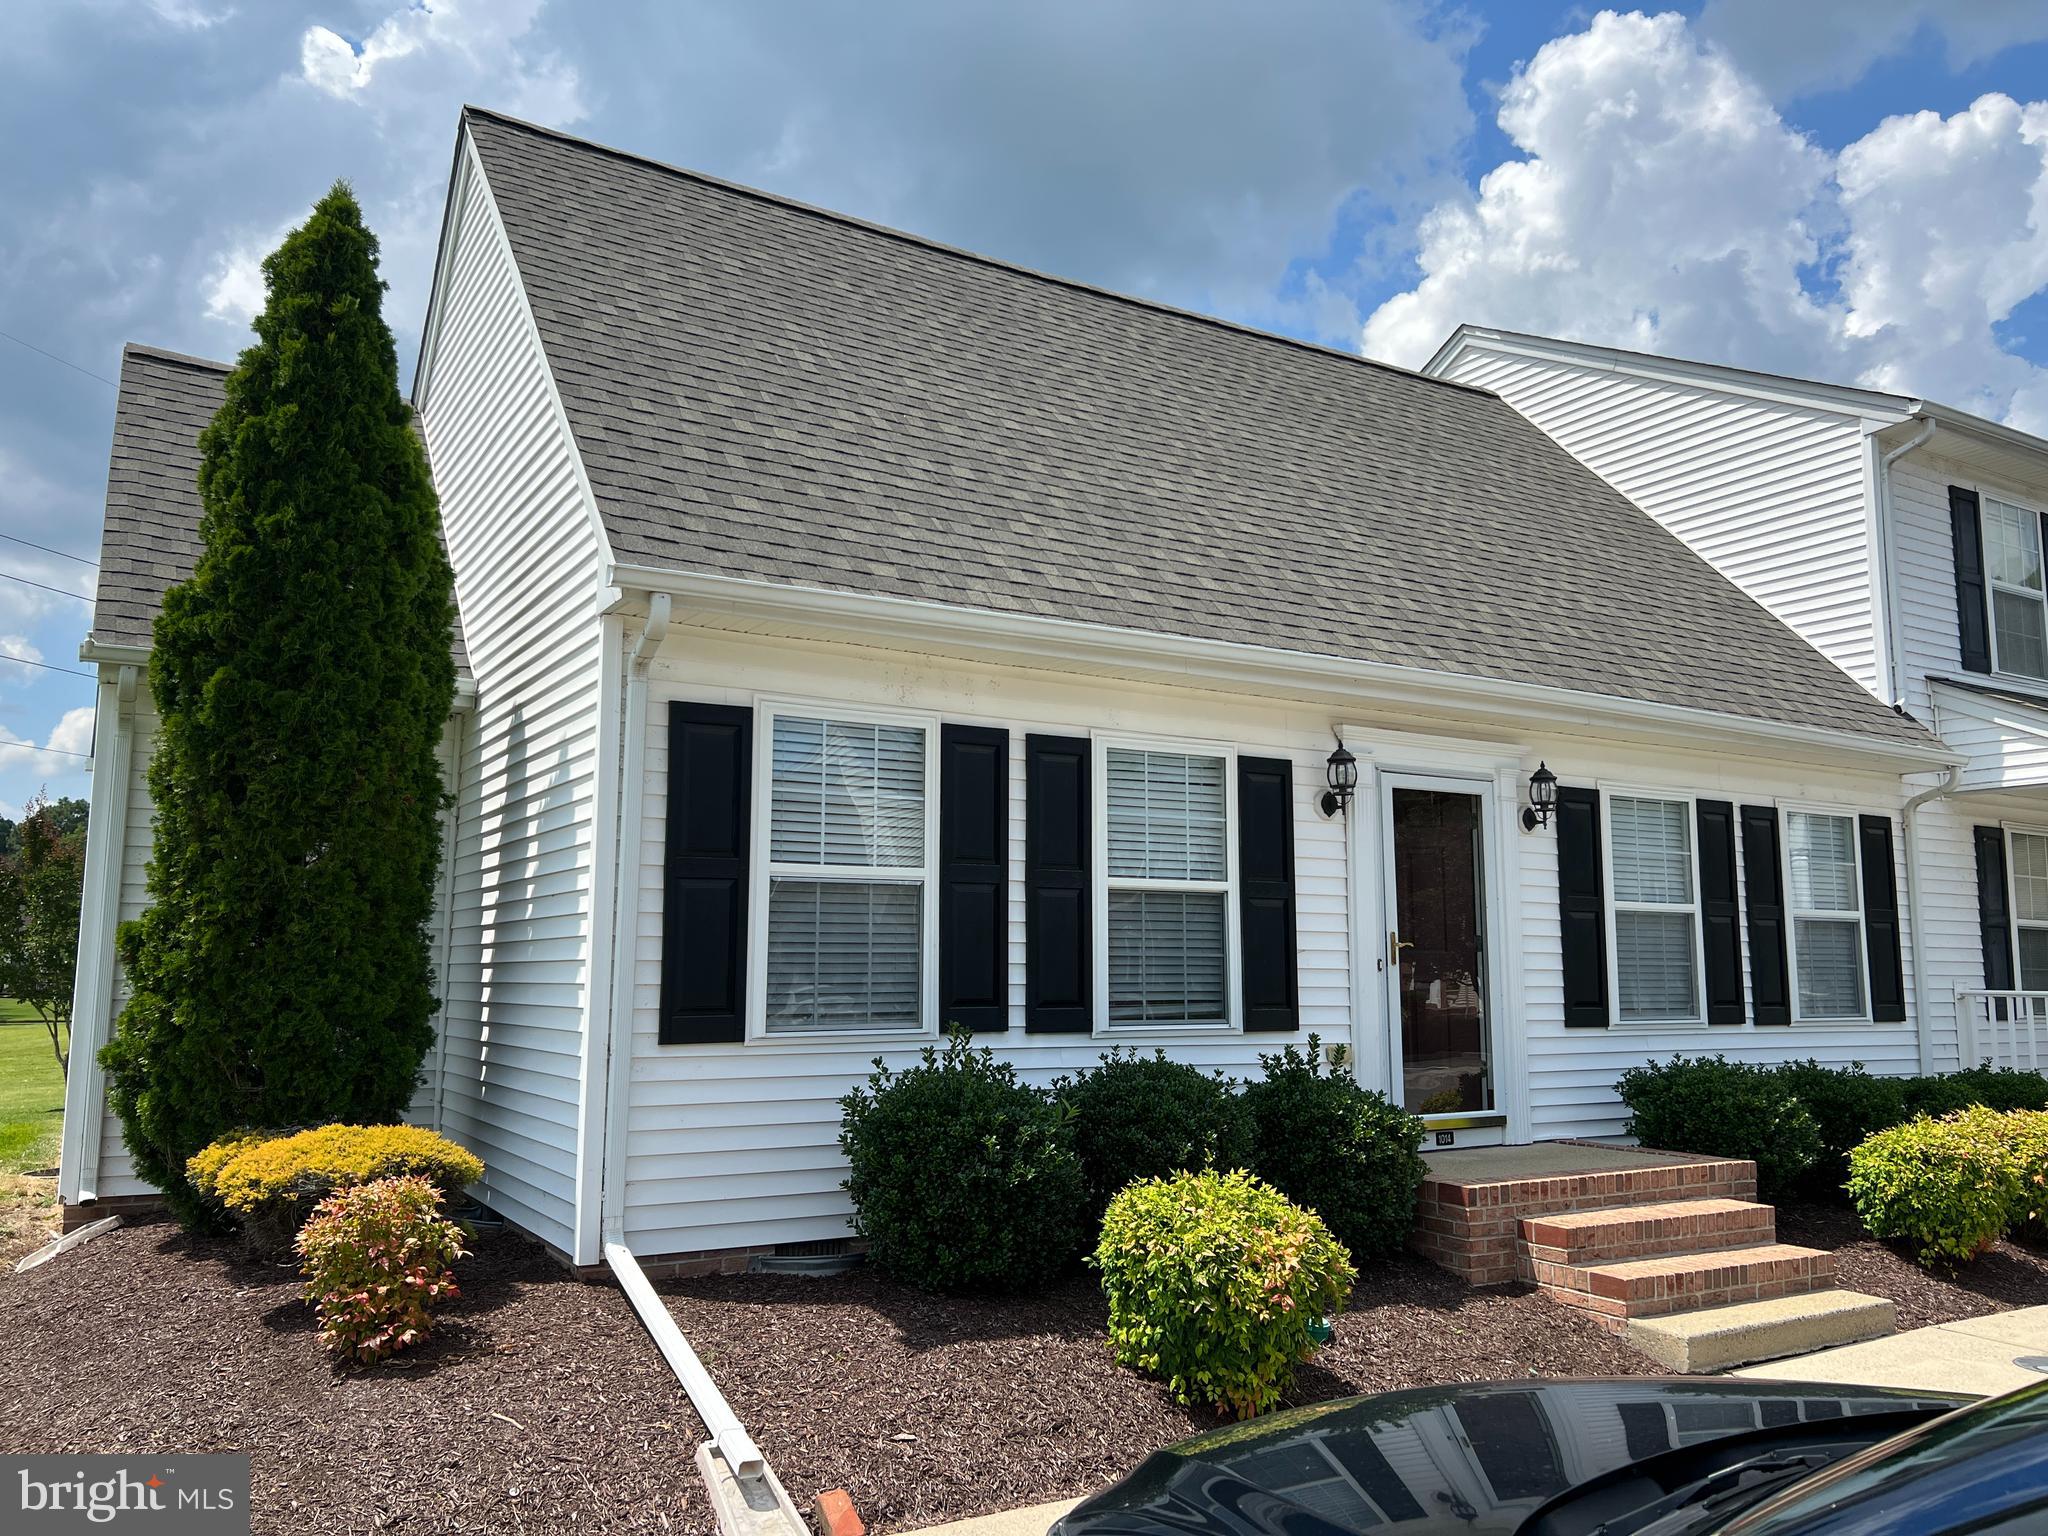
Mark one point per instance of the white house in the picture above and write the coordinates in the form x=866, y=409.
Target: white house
x=868, y=636
x=1904, y=539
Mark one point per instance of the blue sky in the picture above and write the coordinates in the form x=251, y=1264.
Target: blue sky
x=1853, y=189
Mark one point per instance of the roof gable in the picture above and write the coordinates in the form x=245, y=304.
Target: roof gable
x=769, y=392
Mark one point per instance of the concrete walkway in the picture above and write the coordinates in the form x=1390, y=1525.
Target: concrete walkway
x=1028, y=1521
x=1978, y=1355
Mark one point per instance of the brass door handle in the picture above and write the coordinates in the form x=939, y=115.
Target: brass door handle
x=1395, y=944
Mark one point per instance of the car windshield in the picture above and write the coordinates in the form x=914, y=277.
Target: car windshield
x=1883, y=1476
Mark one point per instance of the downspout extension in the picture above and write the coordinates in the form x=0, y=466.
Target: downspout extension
x=730, y=1437
x=1888, y=558
x=1924, y=1025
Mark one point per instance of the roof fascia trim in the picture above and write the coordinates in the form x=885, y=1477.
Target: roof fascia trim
x=1198, y=662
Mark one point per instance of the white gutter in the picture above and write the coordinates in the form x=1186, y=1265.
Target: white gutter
x=734, y=1444
x=1032, y=638
x=92, y=988
x=1909, y=829
x=1888, y=559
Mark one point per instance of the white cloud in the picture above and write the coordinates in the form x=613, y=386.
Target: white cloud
x=18, y=648
x=1663, y=204
x=424, y=49
x=63, y=755
x=188, y=16
x=234, y=288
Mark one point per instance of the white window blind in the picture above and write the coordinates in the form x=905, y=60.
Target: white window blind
x=1656, y=911
x=1167, y=867
x=1826, y=892
x=2012, y=559
x=848, y=871
x=2028, y=854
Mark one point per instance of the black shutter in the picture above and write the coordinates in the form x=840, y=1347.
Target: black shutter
x=704, y=910
x=1265, y=870
x=1881, y=921
x=1763, y=883
x=1582, y=908
x=1059, y=947
x=974, y=864
x=1994, y=915
x=1973, y=624
x=1720, y=938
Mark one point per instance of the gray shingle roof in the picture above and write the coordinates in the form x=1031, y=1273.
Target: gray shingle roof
x=151, y=539
x=769, y=391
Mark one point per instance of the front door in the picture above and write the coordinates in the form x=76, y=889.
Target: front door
x=1437, y=960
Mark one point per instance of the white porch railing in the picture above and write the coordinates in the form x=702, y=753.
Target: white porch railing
x=2007, y=1029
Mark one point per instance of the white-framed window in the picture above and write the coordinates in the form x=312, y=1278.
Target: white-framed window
x=845, y=835
x=2027, y=868
x=1824, y=900
x=2019, y=594
x=1653, y=908
x=1166, y=894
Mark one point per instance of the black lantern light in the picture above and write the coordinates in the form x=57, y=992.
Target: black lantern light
x=1343, y=776
x=1542, y=798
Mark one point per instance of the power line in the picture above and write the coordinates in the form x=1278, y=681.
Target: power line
x=23, y=661
x=29, y=746
x=59, y=553
x=53, y=357
x=10, y=576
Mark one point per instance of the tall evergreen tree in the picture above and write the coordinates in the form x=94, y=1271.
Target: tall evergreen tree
x=281, y=975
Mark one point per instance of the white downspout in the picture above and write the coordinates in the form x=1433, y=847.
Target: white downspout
x=734, y=1444
x=1922, y=991
x=92, y=988
x=1887, y=524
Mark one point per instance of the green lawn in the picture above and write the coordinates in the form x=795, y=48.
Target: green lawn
x=31, y=1091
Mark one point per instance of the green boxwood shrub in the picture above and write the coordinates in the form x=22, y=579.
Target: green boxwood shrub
x=1948, y=1188
x=1993, y=1087
x=963, y=1178
x=1723, y=1108
x=1214, y=1280
x=1144, y=1117
x=1348, y=1153
x=1847, y=1105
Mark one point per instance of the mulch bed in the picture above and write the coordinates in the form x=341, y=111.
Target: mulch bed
x=540, y=1406
x=2010, y=1275
x=933, y=1408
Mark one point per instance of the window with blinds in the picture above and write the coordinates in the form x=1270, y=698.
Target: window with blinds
x=849, y=875
x=2012, y=560
x=1652, y=873
x=1824, y=890
x=1167, y=870
x=2028, y=860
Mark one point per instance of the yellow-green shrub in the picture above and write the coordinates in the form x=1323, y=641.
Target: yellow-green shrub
x=2027, y=1140
x=1214, y=1281
x=1947, y=1187
x=376, y=1260
x=269, y=1184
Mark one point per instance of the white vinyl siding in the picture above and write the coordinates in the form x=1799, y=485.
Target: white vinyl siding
x=1770, y=492
x=1653, y=880
x=849, y=866
x=1824, y=890
x=528, y=560
x=1167, y=869
x=2012, y=561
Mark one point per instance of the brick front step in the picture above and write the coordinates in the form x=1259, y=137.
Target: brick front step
x=1473, y=1228
x=1610, y=1233
x=1683, y=1282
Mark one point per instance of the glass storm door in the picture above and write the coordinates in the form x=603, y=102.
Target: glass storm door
x=1436, y=948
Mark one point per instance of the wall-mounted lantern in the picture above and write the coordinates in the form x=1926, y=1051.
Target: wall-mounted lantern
x=1342, y=773
x=1542, y=798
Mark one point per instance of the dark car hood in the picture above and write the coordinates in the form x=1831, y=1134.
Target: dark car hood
x=1469, y=1459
